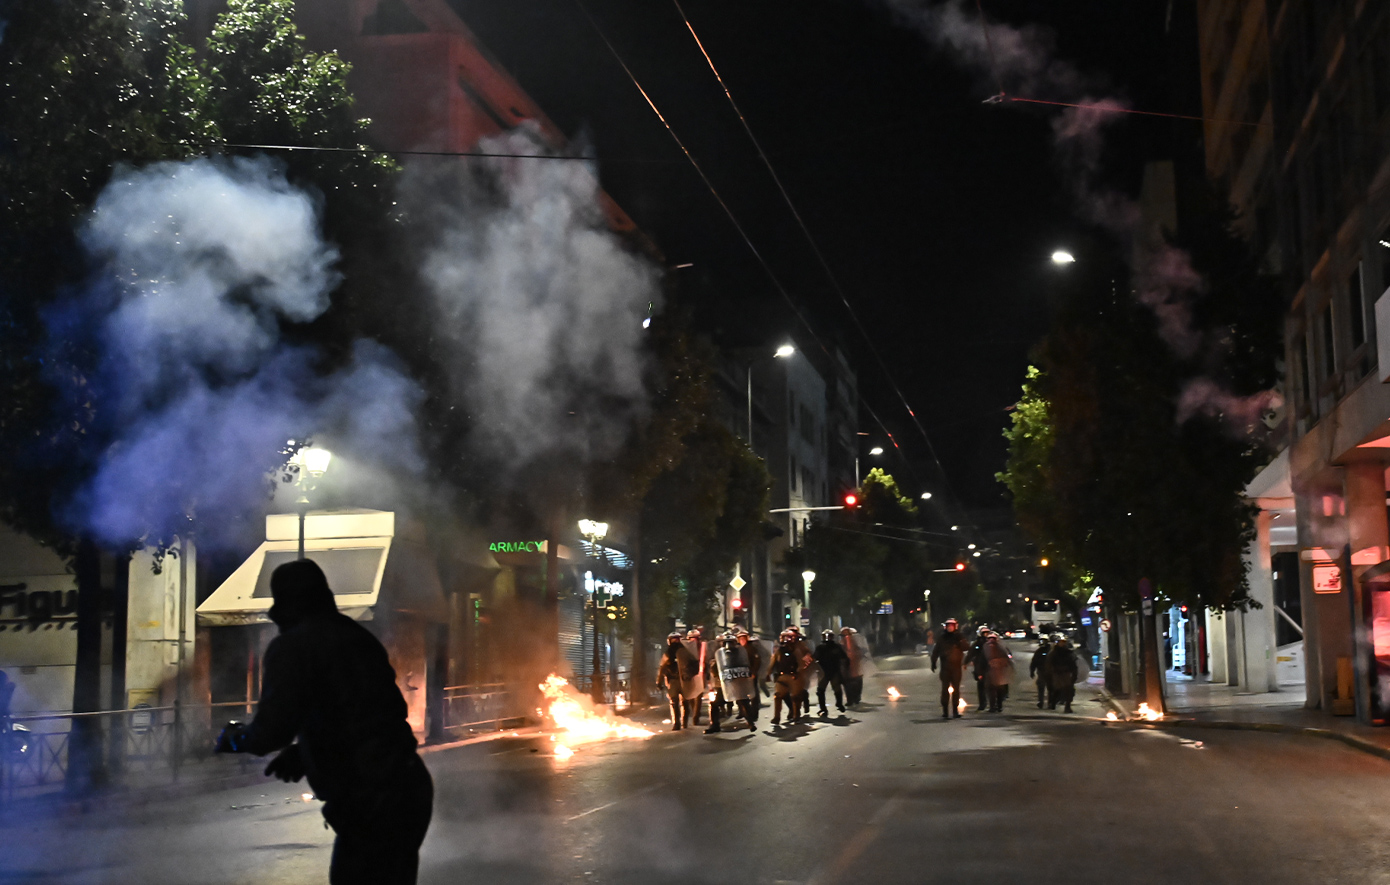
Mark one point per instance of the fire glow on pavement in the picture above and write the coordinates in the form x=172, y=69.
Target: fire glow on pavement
x=578, y=722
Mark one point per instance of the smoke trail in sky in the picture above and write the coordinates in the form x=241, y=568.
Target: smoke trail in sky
x=540, y=304
x=201, y=262
x=1022, y=61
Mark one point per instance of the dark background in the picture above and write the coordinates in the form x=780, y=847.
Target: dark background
x=936, y=212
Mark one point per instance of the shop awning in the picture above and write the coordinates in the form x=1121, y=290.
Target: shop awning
x=366, y=574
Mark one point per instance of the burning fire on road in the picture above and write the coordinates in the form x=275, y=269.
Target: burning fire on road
x=893, y=693
x=577, y=720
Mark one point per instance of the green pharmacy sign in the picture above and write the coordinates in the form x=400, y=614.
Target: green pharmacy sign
x=518, y=546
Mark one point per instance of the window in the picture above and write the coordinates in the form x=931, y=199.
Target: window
x=1356, y=308
x=1329, y=351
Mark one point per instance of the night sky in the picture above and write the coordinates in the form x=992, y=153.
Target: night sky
x=936, y=212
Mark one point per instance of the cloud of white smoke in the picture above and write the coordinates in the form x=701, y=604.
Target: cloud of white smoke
x=202, y=262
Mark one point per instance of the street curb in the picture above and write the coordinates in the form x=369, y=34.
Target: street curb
x=1350, y=740
x=1171, y=721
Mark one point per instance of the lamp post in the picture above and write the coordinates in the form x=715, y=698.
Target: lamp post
x=807, y=577
x=782, y=353
x=310, y=464
x=594, y=532
x=874, y=452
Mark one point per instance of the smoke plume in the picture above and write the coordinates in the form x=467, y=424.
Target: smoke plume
x=1022, y=62
x=200, y=265
x=539, y=303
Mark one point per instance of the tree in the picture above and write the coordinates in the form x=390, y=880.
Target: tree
x=868, y=554
x=84, y=85
x=1113, y=470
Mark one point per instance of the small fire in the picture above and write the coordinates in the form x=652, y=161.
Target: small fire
x=578, y=722
x=620, y=700
x=1112, y=717
x=307, y=797
x=893, y=693
x=1147, y=714
x=714, y=697
x=963, y=705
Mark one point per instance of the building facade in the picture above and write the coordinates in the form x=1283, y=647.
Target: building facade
x=1298, y=96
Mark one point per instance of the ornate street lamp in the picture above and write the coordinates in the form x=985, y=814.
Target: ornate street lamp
x=310, y=463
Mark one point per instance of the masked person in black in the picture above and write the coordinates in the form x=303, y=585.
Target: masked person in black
x=949, y=652
x=834, y=663
x=330, y=704
x=1038, y=669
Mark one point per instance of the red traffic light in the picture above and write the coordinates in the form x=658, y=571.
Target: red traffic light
x=960, y=566
x=737, y=603
x=851, y=499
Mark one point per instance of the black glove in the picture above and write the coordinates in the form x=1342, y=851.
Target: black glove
x=232, y=739
x=288, y=766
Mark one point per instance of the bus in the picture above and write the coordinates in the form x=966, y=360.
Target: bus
x=1045, y=615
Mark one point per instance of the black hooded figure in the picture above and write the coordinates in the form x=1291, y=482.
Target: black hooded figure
x=329, y=702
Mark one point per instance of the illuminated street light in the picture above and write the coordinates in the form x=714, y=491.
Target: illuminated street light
x=976, y=553
x=876, y=450
x=926, y=496
x=1043, y=562
x=784, y=351
x=593, y=531
x=969, y=546
x=807, y=576
x=310, y=462
x=1063, y=257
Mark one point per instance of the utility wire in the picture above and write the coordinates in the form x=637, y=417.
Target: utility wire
x=820, y=256
x=733, y=219
x=363, y=149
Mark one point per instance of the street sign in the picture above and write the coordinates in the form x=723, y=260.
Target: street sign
x=737, y=583
x=1105, y=625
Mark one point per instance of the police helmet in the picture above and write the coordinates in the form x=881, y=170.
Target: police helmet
x=674, y=635
x=827, y=635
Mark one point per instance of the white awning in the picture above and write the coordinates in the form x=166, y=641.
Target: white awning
x=365, y=573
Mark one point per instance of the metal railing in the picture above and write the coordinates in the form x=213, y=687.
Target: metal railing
x=143, y=745
x=470, y=709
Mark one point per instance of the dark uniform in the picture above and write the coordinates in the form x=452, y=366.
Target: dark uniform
x=949, y=652
x=755, y=664
x=1037, y=668
x=1062, y=672
x=979, y=665
x=834, y=664
x=328, y=686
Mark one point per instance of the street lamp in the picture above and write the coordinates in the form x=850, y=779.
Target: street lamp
x=310, y=463
x=594, y=532
x=926, y=496
x=1061, y=256
x=782, y=352
x=807, y=577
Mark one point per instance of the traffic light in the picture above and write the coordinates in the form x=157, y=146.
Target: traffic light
x=960, y=566
x=736, y=603
x=851, y=500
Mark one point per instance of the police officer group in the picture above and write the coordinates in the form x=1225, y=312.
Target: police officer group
x=732, y=672
x=1055, y=666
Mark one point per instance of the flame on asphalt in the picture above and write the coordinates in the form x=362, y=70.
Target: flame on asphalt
x=1147, y=714
x=893, y=693
x=1112, y=717
x=577, y=720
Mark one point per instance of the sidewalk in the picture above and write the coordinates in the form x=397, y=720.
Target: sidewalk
x=1193, y=704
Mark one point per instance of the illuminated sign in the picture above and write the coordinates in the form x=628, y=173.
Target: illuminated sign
x=518, y=546
x=1327, y=579
x=601, y=590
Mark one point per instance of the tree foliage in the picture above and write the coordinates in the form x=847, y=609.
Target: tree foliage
x=1112, y=478
x=866, y=555
x=87, y=86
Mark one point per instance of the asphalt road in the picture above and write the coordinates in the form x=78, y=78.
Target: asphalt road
x=889, y=793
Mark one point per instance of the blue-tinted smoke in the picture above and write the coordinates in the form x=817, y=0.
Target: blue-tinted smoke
x=201, y=262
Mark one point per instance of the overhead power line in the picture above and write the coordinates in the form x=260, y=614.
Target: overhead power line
x=820, y=257
x=733, y=219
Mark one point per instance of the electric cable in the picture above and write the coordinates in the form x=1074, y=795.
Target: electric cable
x=733, y=219
x=363, y=149
x=820, y=256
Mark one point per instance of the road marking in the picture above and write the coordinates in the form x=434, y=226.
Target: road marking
x=640, y=792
